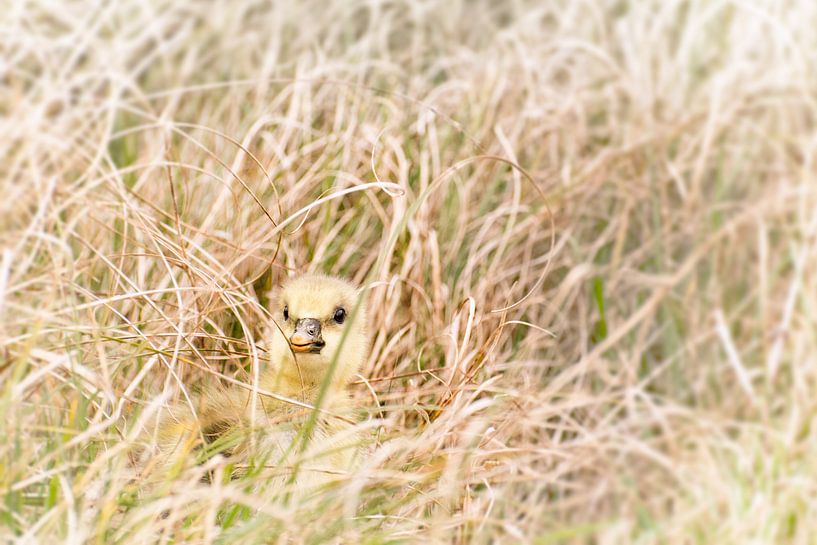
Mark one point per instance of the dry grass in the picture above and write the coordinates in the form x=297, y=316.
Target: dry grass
x=653, y=162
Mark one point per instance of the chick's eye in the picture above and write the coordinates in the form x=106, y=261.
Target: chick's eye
x=340, y=315
x=286, y=313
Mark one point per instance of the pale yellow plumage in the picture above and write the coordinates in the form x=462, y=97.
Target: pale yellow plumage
x=312, y=313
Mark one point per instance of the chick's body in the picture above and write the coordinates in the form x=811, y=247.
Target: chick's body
x=319, y=342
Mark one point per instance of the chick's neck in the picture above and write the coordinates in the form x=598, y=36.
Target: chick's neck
x=300, y=383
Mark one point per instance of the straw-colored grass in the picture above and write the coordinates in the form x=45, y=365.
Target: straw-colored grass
x=588, y=231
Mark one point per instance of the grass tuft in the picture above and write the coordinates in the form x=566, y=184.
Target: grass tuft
x=588, y=232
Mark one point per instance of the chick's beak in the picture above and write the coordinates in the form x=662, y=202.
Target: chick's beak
x=307, y=336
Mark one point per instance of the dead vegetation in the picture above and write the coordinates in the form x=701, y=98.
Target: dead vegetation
x=588, y=231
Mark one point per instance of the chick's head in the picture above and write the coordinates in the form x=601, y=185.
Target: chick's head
x=313, y=313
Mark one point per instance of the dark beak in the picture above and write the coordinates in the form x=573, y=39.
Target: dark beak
x=307, y=336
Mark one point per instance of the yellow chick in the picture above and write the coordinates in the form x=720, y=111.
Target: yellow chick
x=315, y=312
x=317, y=347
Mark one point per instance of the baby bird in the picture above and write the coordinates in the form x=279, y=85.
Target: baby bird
x=318, y=344
x=315, y=313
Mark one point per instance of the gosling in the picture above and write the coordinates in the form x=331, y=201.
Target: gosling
x=317, y=345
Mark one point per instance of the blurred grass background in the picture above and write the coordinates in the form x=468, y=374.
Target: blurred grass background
x=588, y=229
